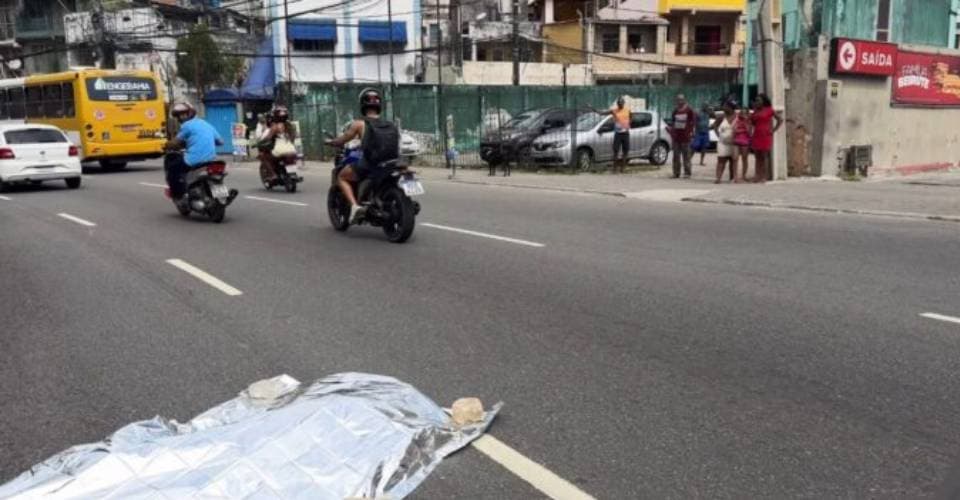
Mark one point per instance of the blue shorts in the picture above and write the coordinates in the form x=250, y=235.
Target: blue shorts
x=701, y=141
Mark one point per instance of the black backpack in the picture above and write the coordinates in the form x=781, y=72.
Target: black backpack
x=381, y=141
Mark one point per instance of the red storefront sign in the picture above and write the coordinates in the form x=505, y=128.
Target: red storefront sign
x=926, y=79
x=861, y=57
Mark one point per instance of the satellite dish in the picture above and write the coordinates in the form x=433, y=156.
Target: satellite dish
x=14, y=64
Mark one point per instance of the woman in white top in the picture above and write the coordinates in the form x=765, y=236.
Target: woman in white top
x=726, y=149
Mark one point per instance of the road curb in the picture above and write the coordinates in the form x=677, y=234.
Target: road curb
x=821, y=209
x=542, y=188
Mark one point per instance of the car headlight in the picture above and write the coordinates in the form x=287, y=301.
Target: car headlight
x=559, y=144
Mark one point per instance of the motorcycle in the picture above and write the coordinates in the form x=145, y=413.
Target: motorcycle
x=386, y=194
x=206, y=194
x=284, y=171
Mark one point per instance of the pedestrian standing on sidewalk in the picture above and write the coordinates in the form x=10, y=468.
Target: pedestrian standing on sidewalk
x=621, y=134
x=681, y=128
x=701, y=137
x=741, y=141
x=726, y=149
x=763, y=118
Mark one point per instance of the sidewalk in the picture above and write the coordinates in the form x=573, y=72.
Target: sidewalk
x=929, y=196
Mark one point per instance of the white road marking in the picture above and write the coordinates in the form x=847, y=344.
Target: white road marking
x=78, y=220
x=670, y=195
x=941, y=317
x=4, y=198
x=205, y=277
x=537, y=475
x=484, y=235
x=151, y=184
x=271, y=200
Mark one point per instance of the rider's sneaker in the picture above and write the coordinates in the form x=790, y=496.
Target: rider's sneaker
x=356, y=213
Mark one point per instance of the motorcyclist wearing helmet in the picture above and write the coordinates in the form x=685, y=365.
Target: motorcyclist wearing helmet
x=200, y=140
x=374, y=154
x=280, y=126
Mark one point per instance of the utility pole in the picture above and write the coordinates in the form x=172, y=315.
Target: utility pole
x=97, y=21
x=441, y=114
x=773, y=84
x=393, y=76
x=516, y=42
x=286, y=37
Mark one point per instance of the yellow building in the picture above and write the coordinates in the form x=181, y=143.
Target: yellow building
x=665, y=6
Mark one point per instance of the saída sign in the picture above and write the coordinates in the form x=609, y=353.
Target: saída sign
x=862, y=57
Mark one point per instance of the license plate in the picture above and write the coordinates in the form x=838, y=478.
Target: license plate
x=219, y=191
x=411, y=187
x=128, y=128
x=291, y=169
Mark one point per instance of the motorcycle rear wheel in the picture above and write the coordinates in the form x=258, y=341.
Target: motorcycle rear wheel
x=337, y=209
x=399, y=226
x=290, y=185
x=217, y=212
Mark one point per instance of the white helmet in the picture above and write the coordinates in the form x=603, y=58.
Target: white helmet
x=183, y=108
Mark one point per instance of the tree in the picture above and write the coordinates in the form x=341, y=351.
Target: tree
x=201, y=63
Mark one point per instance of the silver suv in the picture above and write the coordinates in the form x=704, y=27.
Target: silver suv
x=592, y=140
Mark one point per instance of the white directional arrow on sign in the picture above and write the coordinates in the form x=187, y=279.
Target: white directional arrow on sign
x=848, y=55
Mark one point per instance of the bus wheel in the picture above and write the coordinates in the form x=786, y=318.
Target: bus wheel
x=112, y=166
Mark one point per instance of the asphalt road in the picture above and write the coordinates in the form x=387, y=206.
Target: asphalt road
x=643, y=350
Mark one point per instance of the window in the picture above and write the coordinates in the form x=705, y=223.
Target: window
x=52, y=101
x=313, y=46
x=69, y=108
x=610, y=39
x=883, y=20
x=434, y=37
x=497, y=55
x=641, y=39
x=121, y=88
x=708, y=40
x=34, y=136
x=15, y=102
x=481, y=54
x=641, y=120
x=34, y=102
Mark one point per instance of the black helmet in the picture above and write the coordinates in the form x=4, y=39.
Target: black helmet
x=370, y=99
x=280, y=114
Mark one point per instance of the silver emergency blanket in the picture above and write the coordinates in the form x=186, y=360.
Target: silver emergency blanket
x=350, y=435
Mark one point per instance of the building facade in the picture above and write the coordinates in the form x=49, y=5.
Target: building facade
x=362, y=41
x=872, y=100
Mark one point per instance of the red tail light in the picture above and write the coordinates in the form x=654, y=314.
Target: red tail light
x=74, y=151
x=216, y=168
x=6, y=154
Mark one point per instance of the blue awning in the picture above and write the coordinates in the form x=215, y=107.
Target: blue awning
x=261, y=79
x=322, y=30
x=220, y=95
x=379, y=32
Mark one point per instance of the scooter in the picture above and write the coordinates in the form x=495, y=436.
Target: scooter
x=284, y=169
x=386, y=195
x=206, y=194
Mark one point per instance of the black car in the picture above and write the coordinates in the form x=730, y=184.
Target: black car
x=512, y=141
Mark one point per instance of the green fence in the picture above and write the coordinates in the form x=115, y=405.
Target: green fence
x=467, y=111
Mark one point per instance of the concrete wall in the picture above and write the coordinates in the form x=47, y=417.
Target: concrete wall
x=561, y=35
x=903, y=138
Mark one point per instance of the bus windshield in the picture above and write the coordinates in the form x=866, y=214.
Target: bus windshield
x=121, y=88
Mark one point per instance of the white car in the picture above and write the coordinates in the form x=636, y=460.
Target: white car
x=409, y=147
x=35, y=153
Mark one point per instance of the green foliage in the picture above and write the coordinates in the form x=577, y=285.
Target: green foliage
x=200, y=61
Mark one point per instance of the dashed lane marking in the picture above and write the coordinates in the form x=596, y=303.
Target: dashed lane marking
x=537, y=475
x=272, y=200
x=205, y=277
x=78, y=220
x=151, y=184
x=941, y=317
x=484, y=235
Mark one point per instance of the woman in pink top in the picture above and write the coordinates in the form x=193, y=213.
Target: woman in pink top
x=761, y=140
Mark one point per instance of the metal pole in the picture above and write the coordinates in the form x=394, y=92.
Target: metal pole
x=747, y=50
x=286, y=39
x=393, y=77
x=516, y=42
